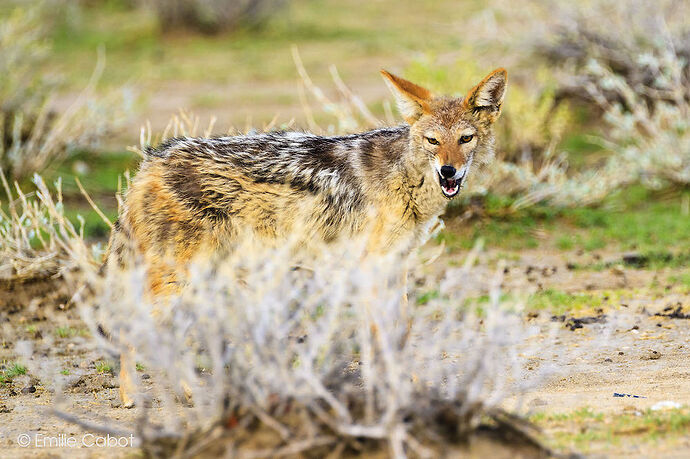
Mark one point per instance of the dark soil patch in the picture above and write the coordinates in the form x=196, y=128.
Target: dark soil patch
x=673, y=313
x=573, y=323
x=41, y=292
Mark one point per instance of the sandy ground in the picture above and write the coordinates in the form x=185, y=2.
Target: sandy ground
x=630, y=351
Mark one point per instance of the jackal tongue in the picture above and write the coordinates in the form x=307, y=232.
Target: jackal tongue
x=449, y=184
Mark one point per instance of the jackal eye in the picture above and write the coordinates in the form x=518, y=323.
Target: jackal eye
x=431, y=140
x=465, y=138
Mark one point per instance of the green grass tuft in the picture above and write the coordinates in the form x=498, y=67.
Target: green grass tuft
x=65, y=332
x=425, y=297
x=559, y=302
x=588, y=430
x=103, y=366
x=10, y=371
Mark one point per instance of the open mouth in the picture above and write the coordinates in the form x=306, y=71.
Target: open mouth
x=450, y=187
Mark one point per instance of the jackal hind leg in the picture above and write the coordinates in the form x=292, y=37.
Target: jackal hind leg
x=405, y=313
x=127, y=370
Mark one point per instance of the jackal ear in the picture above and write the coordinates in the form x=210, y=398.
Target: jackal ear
x=485, y=99
x=412, y=99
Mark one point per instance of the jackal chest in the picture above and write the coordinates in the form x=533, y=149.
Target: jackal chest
x=405, y=219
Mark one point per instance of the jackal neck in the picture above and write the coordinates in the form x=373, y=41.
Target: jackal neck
x=406, y=176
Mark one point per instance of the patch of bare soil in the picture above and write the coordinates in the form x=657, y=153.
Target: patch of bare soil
x=33, y=312
x=635, y=343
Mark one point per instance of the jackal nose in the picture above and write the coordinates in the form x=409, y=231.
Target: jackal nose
x=447, y=171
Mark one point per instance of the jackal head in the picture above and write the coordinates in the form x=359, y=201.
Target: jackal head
x=451, y=132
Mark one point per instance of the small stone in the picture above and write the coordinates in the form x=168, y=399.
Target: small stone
x=109, y=384
x=651, y=355
x=538, y=402
x=146, y=376
x=608, y=360
x=29, y=390
x=666, y=405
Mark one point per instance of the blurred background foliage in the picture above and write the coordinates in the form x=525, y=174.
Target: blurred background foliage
x=598, y=96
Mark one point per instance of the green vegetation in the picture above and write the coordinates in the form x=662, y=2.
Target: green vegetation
x=550, y=300
x=559, y=302
x=587, y=430
x=425, y=297
x=633, y=219
x=65, y=332
x=554, y=301
x=636, y=219
x=683, y=279
x=10, y=371
x=103, y=366
x=99, y=173
x=70, y=332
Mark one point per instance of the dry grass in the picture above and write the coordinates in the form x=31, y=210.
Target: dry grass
x=36, y=239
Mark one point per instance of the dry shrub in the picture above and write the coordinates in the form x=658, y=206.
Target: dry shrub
x=648, y=135
x=32, y=133
x=212, y=16
x=277, y=359
x=641, y=43
x=632, y=61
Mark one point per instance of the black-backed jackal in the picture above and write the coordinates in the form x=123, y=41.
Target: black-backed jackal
x=193, y=197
